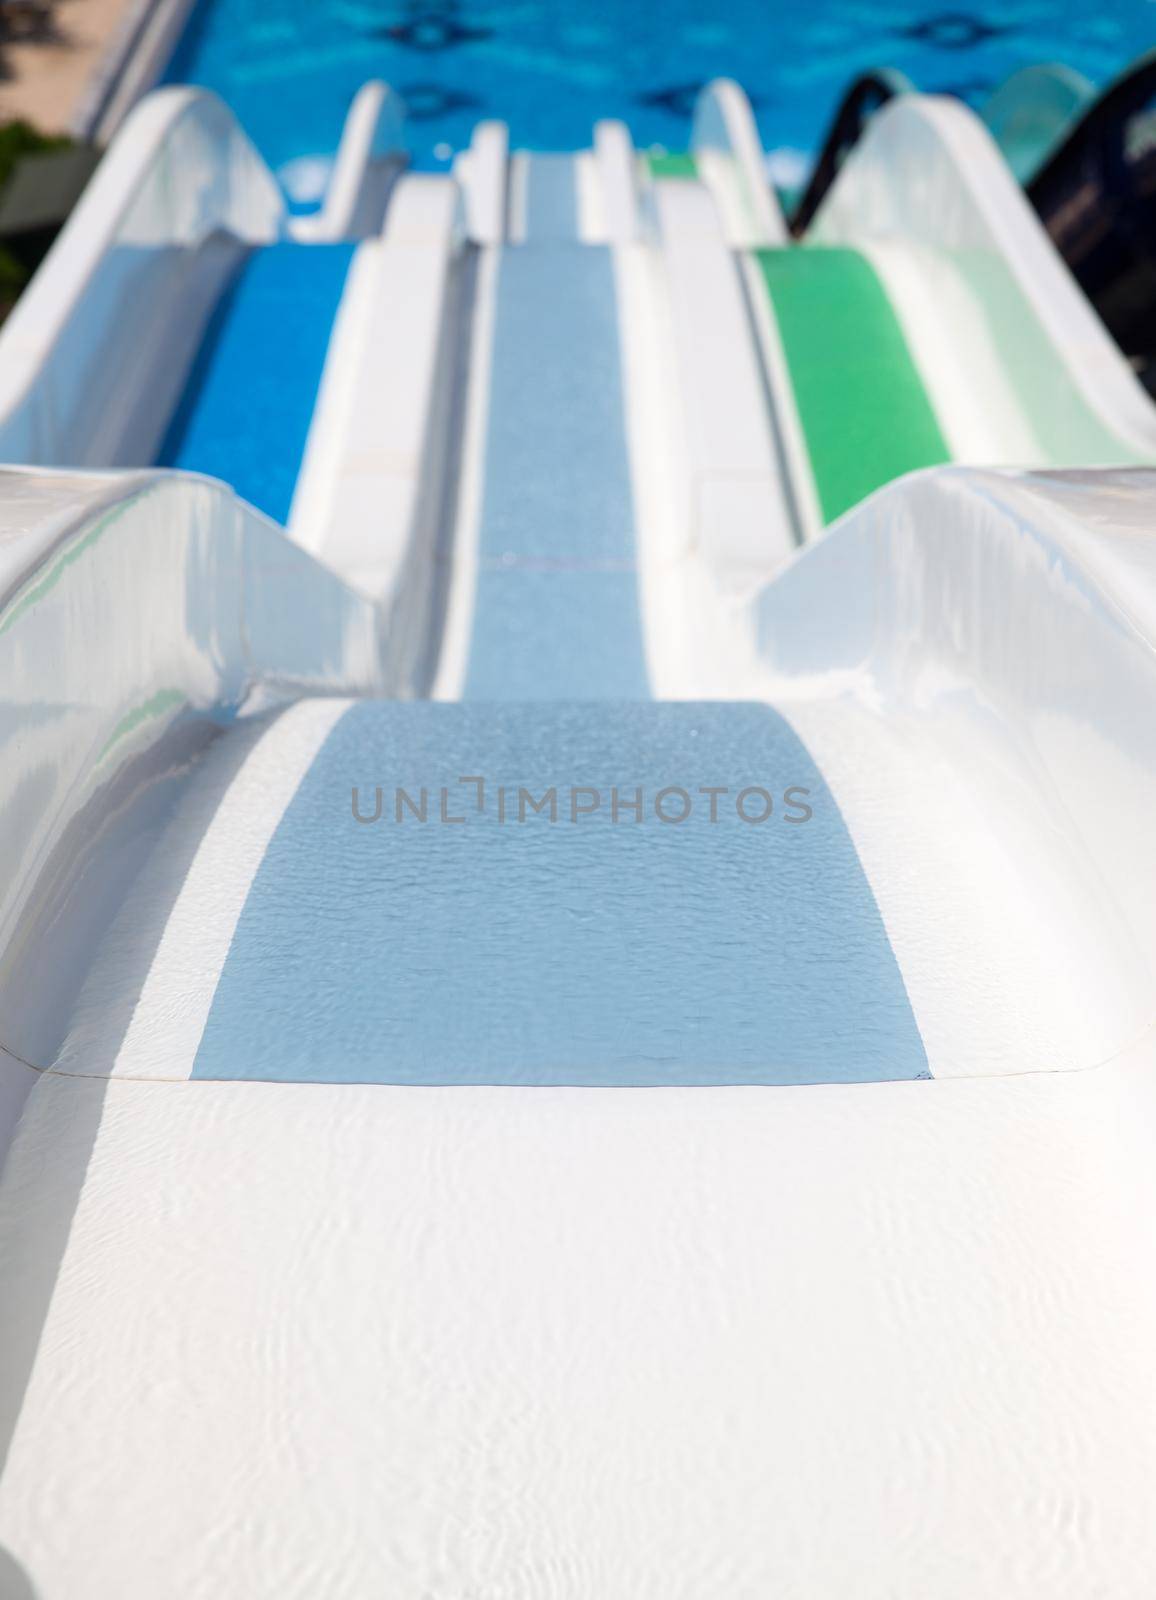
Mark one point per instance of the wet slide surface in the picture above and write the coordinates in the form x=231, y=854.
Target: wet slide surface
x=556, y=607
x=585, y=942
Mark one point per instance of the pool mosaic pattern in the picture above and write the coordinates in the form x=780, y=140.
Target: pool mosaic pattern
x=290, y=68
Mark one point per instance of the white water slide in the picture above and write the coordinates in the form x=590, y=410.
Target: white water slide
x=578, y=1022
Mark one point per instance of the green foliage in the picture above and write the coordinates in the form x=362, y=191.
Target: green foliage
x=13, y=277
x=19, y=139
x=22, y=139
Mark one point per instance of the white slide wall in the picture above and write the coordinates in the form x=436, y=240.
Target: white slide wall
x=372, y=488
x=732, y=162
x=1019, y=367
x=96, y=352
x=969, y=657
x=134, y=611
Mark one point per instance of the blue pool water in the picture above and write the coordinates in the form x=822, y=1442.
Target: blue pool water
x=290, y=67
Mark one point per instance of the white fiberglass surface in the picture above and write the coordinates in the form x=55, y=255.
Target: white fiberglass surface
x=878, y=1340
x=345, y=1338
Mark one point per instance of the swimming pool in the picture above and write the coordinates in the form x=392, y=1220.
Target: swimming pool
x=290, y=67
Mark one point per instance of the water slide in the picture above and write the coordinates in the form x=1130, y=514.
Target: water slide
x=577, y=1008
x=1029, y=116
x=1085, y=159
x=1034, y=116
x=925, y=318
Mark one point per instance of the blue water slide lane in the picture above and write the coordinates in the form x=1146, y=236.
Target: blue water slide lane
x=538, y=952
x=246, y=410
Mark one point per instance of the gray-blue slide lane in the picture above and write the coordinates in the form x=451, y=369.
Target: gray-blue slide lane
x=510, y=948
x=556, y=610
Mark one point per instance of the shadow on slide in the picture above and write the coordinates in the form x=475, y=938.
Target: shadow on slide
x=32, y=1257
x=15, y=1584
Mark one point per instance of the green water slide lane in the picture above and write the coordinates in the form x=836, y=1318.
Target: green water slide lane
x=864, y=411
x=671, y=164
